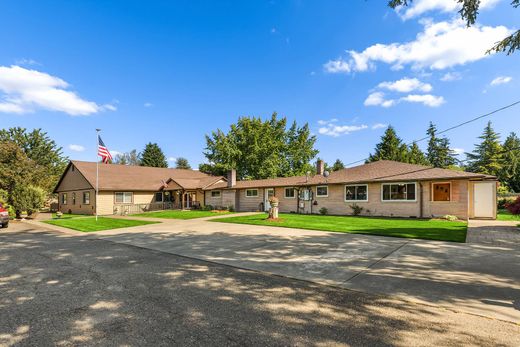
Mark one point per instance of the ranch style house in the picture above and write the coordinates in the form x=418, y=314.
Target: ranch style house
x=381, y=188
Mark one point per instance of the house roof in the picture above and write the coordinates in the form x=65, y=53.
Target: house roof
x=139, y=178
x=379, y=171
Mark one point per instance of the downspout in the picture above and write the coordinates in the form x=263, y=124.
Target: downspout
x=421, y=213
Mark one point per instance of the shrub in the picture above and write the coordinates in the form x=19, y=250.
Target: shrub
x=356, y=209
x=5, y=205
x=27, y=198
x=231, y=208
x=324, y=210
x=208, y=207
x=503, y=202
x=450, y=217
x=514, y=207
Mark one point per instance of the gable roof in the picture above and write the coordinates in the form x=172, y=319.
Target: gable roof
x=138, y=178
x=379, y=171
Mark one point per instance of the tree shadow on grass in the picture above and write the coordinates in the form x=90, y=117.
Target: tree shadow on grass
x=62, y=290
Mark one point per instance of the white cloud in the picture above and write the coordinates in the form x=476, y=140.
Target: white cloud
x=501, y=80
x=338, y=130
x=114, y=153
x=337, y=66
x=379, y=126
x=147, y=104
x=25, y=61
x=439, y=46
x=378, y=99
x=419, y=7
x=426, y=99
x=172, y=159
x=458, y=151
x=76, y=148
x=451, y=76
x=406, y=85
x=25, y=91
x=325, y=122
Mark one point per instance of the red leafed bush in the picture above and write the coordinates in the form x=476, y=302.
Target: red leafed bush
x=514, y=207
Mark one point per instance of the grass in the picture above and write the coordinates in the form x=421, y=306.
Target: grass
x=184, y=214
x=68, y=216
x=507, y=216
x=409, y=228
x=88, y=224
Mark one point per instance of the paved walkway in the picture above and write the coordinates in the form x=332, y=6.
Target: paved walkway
x=493, y=232
x=477, y=278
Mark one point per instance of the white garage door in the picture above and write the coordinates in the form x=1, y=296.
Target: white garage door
x=484, y=200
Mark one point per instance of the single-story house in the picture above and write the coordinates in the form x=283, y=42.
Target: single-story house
x=382, y=188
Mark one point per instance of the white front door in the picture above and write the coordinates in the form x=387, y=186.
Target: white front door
x=269, y=192
x=484, y=200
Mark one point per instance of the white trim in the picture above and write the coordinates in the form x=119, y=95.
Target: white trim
x=440, y=182
x=353, y=185
x=404, y=200
x=322, y=196
x=251, y=196
x=285, y=193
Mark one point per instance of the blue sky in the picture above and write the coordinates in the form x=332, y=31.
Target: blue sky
x=171, y=72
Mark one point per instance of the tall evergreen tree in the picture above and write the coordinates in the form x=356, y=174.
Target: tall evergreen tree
x=439, y=153
x=416, y=156
x=510, y=162
x=391, y=147
x=182, y=163
x=486, y=158
x=152, y=155
x=338, y=165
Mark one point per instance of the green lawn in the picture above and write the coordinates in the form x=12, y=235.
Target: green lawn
x=506, y=215
x=68, y=216
x=410, y=228
x=178, y=214
x=89, y=223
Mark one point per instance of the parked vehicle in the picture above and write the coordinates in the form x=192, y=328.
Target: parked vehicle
x=4, y=217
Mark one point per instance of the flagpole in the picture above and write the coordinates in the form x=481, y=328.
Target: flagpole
x=97, y=170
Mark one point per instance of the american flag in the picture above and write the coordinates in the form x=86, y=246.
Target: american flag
x=103, y=151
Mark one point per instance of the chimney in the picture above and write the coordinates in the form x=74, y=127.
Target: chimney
x=231, y=178
x=320, y=167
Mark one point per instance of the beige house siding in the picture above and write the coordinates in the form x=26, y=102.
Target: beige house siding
x=73, y=180
x=105, y=203
x=214, y=201
x=79, y=207
x=248, y=204
x=457, y=206
x=286, y=204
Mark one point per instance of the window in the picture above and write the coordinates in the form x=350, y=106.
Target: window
x=86, y=198
x=356, y=192
x=290, y=193
x=251, y=193
x=64, y=199
x=399, y=192
x=159, y=197
x=441, y=191
x=124, y=197
x=215, y=193
x=73, y=198
x=322, y=191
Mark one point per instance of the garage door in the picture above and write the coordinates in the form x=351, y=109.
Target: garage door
x=484, y=200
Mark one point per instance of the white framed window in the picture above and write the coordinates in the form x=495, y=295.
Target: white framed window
x=406, y=191
x=73, y=198
x=124, y=197
x=159, y=197
x=290, y=193
x=356, y=192
x=86, y=198
x=441, y=191
x=64, y=199
x=215, y=193
x=322, y=191
x=251, y=193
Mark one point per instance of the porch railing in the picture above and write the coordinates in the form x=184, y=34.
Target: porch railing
x=126, y=209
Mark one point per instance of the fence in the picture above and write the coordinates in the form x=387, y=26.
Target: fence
x=126, y=209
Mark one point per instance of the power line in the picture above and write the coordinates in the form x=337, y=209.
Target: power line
x=453, y=127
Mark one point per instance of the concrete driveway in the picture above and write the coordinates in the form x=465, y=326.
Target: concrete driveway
x=482, y=279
